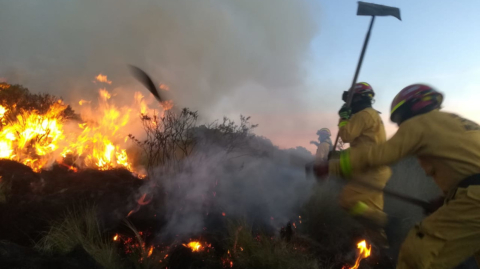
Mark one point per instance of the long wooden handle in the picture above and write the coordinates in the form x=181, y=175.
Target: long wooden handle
x=400, y=196
x=355, y=77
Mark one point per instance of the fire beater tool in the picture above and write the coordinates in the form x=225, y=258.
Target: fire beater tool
x=370, y=9
x=367, y=9
x=145, y=79
x=400, y=196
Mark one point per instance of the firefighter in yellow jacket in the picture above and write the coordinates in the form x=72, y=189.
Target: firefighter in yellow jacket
x=448, y=148
x=361, y=125
x=325, y=145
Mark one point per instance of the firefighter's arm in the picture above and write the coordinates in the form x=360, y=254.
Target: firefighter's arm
x=407, y=141
x=353, y=128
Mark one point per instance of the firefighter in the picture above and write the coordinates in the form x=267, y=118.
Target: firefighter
x=325, y=145
x=448, y=148
x=361, y=125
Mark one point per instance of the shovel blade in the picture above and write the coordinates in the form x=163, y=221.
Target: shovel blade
x=370, y=9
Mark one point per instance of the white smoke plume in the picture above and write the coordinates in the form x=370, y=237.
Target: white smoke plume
x=234, y=56
x=267, y=188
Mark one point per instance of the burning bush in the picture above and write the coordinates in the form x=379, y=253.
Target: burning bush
x=39, y=130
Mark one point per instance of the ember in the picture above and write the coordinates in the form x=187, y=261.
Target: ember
x=363, y=252
x=194, y=246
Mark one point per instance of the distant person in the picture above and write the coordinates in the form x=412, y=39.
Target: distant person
x=448, y=147
x=361, y=125
x=324, y=145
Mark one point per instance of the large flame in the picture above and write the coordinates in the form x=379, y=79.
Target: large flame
x=98, y=141
x=363, y=251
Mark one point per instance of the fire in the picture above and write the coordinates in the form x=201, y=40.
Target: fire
x=115, y=238
x=363, y=252
x=102, y=78
x=99, y=141
x=164, y=87
x=31, y=137
x=81, y=102
x=167, y=105
x=150, y=251
x=194, y=246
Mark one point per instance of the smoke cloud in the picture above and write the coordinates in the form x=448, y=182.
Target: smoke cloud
x=241, y=56
x=267, y=188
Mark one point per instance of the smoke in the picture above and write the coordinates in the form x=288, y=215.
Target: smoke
x=217, y=56
x=268, y=190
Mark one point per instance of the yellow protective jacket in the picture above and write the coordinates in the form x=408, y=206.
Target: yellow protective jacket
x=447, y=146
x=323, y=150
x=365, y=128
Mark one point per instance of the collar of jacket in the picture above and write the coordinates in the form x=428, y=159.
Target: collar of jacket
x=359, y=106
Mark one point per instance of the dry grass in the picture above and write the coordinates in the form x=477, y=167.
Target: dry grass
x=80, y=228
x=247, y=250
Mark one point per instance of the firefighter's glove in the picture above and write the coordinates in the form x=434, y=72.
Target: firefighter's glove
x=315, y=143
x=345, y=112
x=435, y=204
x=320, y=171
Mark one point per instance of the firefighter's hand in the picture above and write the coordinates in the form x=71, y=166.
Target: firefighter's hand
x=435, y=204
x=345, y=112
x=320, y=171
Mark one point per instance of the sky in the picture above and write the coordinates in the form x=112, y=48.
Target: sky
x=437, y=42
x=285, y=63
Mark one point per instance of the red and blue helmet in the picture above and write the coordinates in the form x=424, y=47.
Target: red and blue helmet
x=414, y=100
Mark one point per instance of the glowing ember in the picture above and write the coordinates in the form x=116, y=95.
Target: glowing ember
x=150, y=251
x=143, y=200
x=102, y=78
x=363, y=252
x=81, y=102
x=223, y=214
x=194, y=246
x=164, y=87
x=115, y=238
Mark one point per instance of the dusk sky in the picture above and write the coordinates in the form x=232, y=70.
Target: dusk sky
x=283, y=62
x=437, y=42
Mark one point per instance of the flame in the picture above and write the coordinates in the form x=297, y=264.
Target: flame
x=167, y=105
x=32, y=136
x=150, y=251
x=81, y=102
x=363, y=252
x=102, y=78
x=164, y=87
x=194, y=246
x=100, y=141
x=115, y=238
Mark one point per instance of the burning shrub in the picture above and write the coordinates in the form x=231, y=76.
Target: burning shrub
x=16, y=98
x=39, y=130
